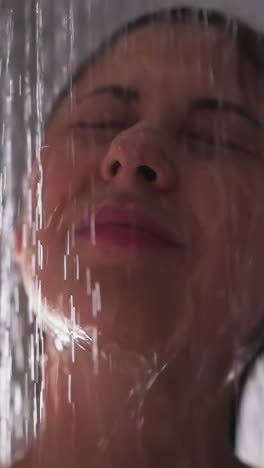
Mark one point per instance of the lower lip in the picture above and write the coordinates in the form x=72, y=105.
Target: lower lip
x=126, y=237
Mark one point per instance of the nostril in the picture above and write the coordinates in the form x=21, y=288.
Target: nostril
x=148, y=173
x=114, y=168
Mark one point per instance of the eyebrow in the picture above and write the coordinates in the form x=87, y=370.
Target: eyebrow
x=225, y=107
x=125, y=93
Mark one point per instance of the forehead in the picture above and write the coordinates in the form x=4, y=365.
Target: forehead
x=172, y=61
x=161, y=50
x=179, y=40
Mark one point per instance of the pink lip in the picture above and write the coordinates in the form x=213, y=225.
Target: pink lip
x=125, y=228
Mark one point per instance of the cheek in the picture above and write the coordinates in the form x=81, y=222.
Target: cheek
x=227, y=200
x=65, y=169
x=228, y=223
x=207, y=199
x=60, y=172
x=245, y=192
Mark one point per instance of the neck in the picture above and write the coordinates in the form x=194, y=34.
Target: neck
x=88, y=421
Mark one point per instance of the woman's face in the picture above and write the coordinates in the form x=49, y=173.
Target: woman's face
x=165, y=124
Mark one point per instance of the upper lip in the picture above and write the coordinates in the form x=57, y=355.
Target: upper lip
x=136, y=218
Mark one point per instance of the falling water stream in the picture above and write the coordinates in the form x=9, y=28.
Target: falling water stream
x=22, y=28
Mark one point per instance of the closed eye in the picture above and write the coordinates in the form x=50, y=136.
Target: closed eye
x=216, y=143
x=100, y=125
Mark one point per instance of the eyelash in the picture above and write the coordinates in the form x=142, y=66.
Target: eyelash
x=100, y=125
x=193, y=136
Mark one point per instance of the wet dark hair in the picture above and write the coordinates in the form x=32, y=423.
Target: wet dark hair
x=250, y=43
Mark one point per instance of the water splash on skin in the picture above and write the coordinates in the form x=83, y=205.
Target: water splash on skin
x=77, y=268
x=68, y=243
x=65, y=267
x=96, y=300
x=69, y=388
x=92, y=224
x=88, y=282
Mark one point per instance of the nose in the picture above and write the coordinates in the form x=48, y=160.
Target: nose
x=140, y=154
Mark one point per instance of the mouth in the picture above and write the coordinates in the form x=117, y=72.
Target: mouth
x=125, y=228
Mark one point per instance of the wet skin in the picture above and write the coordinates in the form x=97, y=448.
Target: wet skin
x=187, y=107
